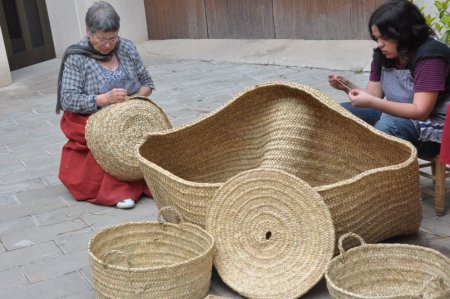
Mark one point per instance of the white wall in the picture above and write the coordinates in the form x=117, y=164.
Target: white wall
x=67, y=25
x=67, y=21
x=5, y=74
x=64, y=23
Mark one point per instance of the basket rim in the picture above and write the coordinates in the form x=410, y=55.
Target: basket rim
x=378, y=246
x=207, y=251
x=172, y=175
x=163, y=113
x=321, y=97
x=146, y=99
x=136, y=99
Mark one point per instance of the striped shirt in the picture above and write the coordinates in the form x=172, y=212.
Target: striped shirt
x=430, y=74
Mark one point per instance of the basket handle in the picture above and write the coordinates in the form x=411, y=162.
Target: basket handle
x=348, y=235
x=178, y=215
x=439, y=282
x=115, y=252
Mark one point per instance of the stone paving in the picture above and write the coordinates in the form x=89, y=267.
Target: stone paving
x=44, y=232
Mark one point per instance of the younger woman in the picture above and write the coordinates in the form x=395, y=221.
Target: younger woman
x=409, y=86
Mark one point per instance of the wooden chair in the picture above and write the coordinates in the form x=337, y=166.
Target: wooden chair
x=439, y=173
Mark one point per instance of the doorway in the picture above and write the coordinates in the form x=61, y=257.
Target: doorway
x=26, y=32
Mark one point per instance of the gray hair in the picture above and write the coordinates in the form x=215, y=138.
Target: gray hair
x=101, y=16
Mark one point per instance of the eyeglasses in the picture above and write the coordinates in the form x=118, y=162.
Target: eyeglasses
x=111, y=40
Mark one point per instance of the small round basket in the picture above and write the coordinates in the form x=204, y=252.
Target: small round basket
x=152, y=260
x=274, y=234
x=388, y=271
x=113, y=133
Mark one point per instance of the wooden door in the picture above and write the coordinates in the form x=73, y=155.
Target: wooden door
x=26, y=31
x=175, y=19
x=323, y=19
x=240, y=19
x=283, y=19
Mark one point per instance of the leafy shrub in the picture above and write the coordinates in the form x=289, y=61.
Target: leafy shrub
x=440, y=22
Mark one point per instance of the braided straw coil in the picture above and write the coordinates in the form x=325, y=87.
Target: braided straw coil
x=369, y=180
x=113, y=133
x=152, y=260
x=388, y=271
x=274, y=234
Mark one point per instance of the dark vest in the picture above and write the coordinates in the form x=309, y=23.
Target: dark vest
x=432, y=49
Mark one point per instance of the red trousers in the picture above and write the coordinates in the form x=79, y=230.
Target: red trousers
x=445, y=143
x=82, y=175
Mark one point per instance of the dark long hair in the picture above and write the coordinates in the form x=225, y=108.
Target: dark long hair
x=402, y=21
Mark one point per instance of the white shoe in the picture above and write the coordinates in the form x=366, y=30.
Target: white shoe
x=125, y=204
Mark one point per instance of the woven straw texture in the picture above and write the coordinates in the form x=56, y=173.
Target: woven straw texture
x=274, y=234
x=214, y=297
x=113, y=133
x=388, y=271
x=152, y=260
x=368, y=179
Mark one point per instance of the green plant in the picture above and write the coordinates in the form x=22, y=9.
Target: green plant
x=358, y=70
x=441, y=22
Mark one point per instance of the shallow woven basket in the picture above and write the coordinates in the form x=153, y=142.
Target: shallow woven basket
x=113, y=133
x=152, y=260
x=369, y=180
x=215, y=297
x=274, y=234
x=388, y=271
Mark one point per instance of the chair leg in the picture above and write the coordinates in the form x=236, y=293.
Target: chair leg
x=439, y=187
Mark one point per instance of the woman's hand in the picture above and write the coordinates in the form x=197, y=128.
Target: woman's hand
x=144, y=91
x=340, y=83
x=115, y=95
x=360, y=98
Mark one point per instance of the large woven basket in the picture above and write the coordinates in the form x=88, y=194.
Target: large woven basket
x=388, y=271
x=369, y=180
x=152, y=260
x=113, y=133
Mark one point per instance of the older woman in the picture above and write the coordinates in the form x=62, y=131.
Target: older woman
x=101, y=69
x=409, y=86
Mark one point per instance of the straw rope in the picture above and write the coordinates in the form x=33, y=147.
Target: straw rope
x=152, y=260
x=388, y=271
x=274, y=234
x=113, y=132
x=369, y=180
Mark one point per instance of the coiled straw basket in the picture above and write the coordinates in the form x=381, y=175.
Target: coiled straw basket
x=388, y=271
x=113, y=132
x=152, y=260
x=368, y=180
x=274, y=234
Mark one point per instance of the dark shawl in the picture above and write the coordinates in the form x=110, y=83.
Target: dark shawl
x=88, y=51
